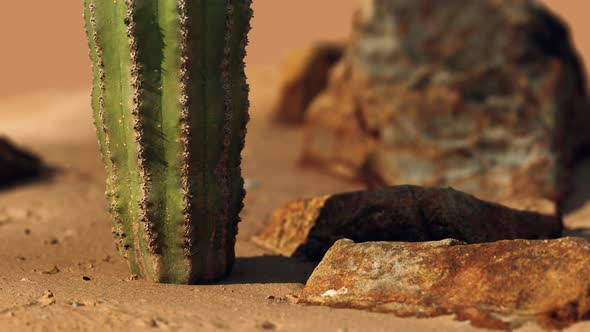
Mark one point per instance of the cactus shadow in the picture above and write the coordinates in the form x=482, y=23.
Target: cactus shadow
x=269, y=270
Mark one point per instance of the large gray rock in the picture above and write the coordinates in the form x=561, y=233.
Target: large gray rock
x=495, y=285
x=486, y=96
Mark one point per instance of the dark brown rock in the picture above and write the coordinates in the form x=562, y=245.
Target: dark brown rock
x=305, y=75
x=495, y=285
x=485, y=96
x=309, y=228
x=16, y=164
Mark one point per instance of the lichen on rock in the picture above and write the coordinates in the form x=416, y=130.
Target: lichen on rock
x=499, y=285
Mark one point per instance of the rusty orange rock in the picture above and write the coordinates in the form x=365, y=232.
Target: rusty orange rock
x=304, y=76
x=308, y=228
x=495, y=285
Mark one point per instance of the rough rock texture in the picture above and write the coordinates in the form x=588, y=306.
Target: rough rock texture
x=16, y=164
x=406, y=213
x=485, y=96
x=496, y=285
x=305, y=75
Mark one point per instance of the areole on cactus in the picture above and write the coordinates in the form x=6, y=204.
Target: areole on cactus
x=170, y=103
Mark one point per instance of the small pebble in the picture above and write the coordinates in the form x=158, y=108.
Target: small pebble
x=53, y=241
x=291, y=298
x=266, y=325
x=77, y=304
x=54, y=270
x=47, y=299
x=132, y=277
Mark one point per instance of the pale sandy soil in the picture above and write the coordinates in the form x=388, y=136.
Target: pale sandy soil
x=70, y=211
x=63, y=221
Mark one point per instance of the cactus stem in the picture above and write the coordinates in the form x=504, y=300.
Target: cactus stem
x=173, y=101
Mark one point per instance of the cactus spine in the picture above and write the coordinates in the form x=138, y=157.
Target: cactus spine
x=170, y=103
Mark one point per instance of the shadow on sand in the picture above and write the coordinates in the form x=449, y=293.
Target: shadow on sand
x=44, y=175
x=269, y=269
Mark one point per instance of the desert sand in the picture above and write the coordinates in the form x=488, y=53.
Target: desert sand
x=55, y=232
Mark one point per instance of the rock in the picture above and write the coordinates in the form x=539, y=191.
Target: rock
x=266, y=325
x=54, y=270
x=16, y=164
x=309, y=228
x=305, y=75
x=485, y=96
x=494, y=285
x=47, y=299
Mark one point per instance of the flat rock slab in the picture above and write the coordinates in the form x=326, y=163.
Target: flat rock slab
x=308, y=228
x=495, y=285
x=488, y=97
x=16, y=164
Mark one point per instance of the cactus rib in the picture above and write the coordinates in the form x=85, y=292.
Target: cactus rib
x=120, y=229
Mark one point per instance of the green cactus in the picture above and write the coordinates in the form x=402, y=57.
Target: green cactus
x=170, y=103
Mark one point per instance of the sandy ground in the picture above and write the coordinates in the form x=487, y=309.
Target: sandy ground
x=62, y=222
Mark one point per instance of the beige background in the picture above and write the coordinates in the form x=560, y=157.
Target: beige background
x=43, y=45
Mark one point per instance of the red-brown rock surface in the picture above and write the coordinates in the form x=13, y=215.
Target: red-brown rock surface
x=495, y=285
x=486, y=96
x=16, y=164
x=308, y=228
x=305, y=75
